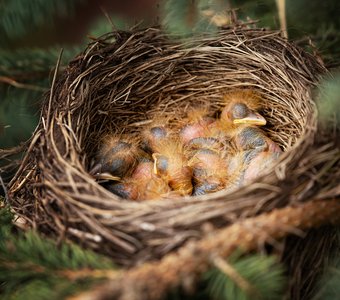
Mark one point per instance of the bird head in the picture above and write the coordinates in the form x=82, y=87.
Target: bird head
x=241, y=108
x=208, y=163
x=195, y=124
x=155, y=133
x=117, y=156
x=171, y=164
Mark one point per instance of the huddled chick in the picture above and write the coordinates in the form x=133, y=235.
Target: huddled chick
x=143, y=184
x=116, y=158
x=255, y=151
x=197, y=155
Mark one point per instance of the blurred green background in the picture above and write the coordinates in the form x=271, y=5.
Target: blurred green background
x=33, y=32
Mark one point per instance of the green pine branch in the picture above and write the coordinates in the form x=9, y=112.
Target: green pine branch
x=264, y=11
x=251, y=277
x=189, y=17
x=328, y=99
x=19, y=17
x=329, y=285
x=327, y=41
x=18, y=115
x=33, y=63
x=25, y=75
x=31, y=265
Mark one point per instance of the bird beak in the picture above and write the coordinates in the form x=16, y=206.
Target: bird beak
x=253, y=118
x=95, y=169
x=106, y=176
x=97, y=174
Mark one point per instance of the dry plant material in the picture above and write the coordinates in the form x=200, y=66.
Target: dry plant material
x=123, y=80
x=153, y=280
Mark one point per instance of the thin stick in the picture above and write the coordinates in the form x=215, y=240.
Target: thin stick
x=19, y=85
x=109, y=19
x=281, y=7
x=5, y=190
x=228, y=269
x=52, y=88
x=153, y=280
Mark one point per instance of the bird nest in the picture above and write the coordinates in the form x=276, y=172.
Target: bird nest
x=121, y=80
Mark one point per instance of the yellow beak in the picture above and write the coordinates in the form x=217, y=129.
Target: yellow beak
x=106, y=176
x=253, y=118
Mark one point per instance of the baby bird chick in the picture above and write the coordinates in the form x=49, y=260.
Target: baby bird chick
x=241, y=109
x=116, y=158
x=205, y=142
x=142, y=185
x=170, y=163
x=155, y=134
x=209, y=171
x=261, y=162
x=195, y=125
x=241, y=120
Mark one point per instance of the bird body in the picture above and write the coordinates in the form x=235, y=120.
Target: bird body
x=209, y=171
x=171, y=164
x=153, y=135
x=195, y=125
x=246, y=165
x=196, y=155
x=142, y=185
x=247, y=137
x=259, y=165
x=205, y=143
x=195, y=130
x=124, y=189
x=117, y=158
x=255, y=151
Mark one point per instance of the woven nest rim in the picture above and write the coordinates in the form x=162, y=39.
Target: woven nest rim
x=114, y=82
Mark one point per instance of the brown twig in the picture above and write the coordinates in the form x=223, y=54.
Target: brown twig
x=230, y=271
x=281, y=7
x=152, y=280
x=4, y=189
x=19, y=85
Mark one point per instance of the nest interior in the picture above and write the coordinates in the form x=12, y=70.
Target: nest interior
x=120, y=81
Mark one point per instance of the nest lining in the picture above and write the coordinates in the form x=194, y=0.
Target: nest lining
x=125, y=78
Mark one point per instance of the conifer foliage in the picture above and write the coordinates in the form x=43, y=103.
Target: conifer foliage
x=251, y=277
x=19, y=17
x=34, y=267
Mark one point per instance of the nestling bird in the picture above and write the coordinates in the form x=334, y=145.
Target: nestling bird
x=205, y=142
x=260, y=163
x=116, y=158
x=196, y=155
x=240, y=120
x=210, y=172
x=125, y=189
x=171, y=164
x=195, y=125
x=241, y=108
x=155, y=134
x=142, y=185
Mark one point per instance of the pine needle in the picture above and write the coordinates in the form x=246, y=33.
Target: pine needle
x=33, y=265
x=15, y=16
x=242, y=278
